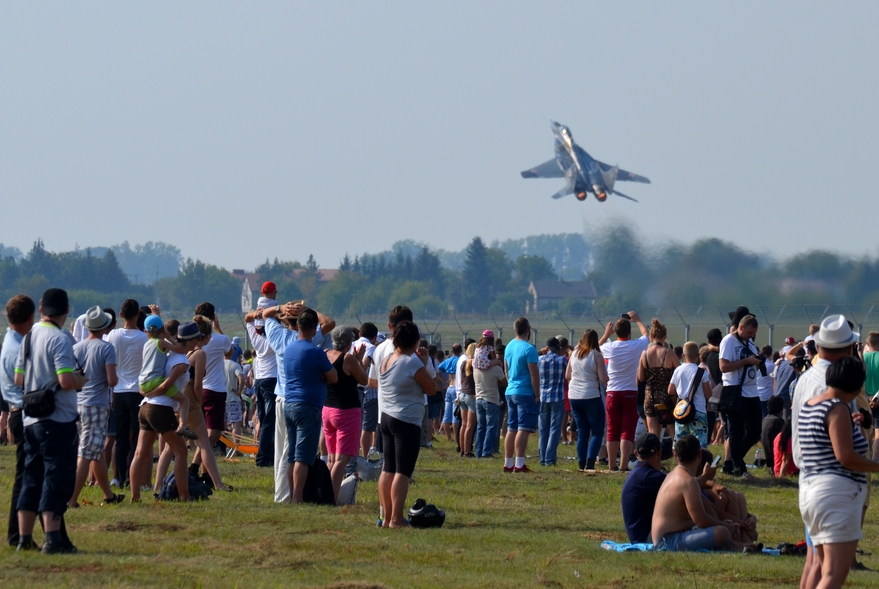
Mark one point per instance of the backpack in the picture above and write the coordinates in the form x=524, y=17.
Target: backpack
x=197, y=489
x=319, y=484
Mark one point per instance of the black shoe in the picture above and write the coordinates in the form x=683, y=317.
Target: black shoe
x=728, y=468
x=755, y=549
x=603, y=461
x=590, y=464
x=29, y=545
x=50, y=548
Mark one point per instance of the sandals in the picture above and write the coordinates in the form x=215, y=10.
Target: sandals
x=187, y=433
x=116, y=498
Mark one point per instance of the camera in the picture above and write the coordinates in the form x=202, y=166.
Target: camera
x=762, y=365
x=625, y=316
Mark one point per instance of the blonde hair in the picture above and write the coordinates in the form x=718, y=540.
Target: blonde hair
x=468, y=367
x=587, y=343
x=691, y=351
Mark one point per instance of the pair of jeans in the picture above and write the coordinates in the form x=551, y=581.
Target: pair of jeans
x=589, y=416
x=126, y=406
x=487, y=421
x=744, y=430
x=552, y=414
x=17, y=429
x=265, y=412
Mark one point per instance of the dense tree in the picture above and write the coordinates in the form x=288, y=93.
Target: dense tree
x=533, y=268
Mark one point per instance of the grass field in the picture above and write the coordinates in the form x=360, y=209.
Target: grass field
x=502, y=530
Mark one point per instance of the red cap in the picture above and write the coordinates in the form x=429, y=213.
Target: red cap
x=790, y=340
x=268, y=286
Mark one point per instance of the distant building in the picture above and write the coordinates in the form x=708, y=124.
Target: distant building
x=547, y=294
x=250, y=285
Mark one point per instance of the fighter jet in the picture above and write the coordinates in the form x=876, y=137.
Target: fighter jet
x=583, y=173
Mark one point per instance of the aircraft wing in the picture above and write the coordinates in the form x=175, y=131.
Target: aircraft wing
x=622, y=174
x=548, y=169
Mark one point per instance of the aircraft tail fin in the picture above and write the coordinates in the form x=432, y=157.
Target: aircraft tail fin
x=609, y=176
x=618, y=193
x=563, y=192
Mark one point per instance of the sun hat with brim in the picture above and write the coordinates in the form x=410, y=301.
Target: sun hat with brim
x=96, y=319
x=188, y=331
x=835, y=333
x=153, y=321
x=736, y=316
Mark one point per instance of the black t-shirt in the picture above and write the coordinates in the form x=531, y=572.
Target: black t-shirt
x=772, y=426
x=639, y=499
x=713, y=364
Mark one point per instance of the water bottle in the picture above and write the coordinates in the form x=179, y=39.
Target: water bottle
x=758, y=458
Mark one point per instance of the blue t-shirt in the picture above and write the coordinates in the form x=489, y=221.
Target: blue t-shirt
x=639, y=499
x=448, y=365
x=518, y=355
x=304, y=366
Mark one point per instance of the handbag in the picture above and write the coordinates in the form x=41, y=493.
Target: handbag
x=40, y=403
x=685, y=411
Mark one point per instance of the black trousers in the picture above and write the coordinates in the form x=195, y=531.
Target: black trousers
x=265, y=411
x=126, y=407
x=17, y=428
x=745, y=425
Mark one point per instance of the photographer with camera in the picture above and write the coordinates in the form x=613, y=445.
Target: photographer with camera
x=741, y=363
x=45, y=370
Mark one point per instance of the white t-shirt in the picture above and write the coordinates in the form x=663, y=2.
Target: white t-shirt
x=733, y=350
x=766, y=384
x=129, y=358
x=682, y=378
x=622, y=357
x=359, y=343
x=266, y=363
x=215, y=352
x=79, y=331
x=174, y=359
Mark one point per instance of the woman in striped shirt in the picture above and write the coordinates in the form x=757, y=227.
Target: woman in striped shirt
x=833, y=486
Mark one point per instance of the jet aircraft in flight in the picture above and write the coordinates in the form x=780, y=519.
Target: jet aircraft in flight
x=582, y=173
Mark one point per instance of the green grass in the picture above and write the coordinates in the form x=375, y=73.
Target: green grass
x=502, y=530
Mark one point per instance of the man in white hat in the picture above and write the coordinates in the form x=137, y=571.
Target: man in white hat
x=834, y=340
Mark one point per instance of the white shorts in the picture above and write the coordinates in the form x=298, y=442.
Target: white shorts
x=831, y=507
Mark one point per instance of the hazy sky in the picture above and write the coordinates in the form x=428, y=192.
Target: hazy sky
x=240, y=131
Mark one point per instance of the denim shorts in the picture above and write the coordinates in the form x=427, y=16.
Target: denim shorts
x=370, y=415
x=449, y=413
x=303, y=431
x=522, y=412
x=695, y=540
x=468, y=402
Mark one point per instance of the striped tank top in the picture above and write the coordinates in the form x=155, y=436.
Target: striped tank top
x=818, y=456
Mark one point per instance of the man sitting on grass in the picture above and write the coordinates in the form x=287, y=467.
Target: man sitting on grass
x=680, y=520
x=641, y=487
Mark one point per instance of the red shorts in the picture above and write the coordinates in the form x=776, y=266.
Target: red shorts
x=622, y=415
x=214, y=409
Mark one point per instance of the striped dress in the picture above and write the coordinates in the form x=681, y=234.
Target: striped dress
x=817, y=449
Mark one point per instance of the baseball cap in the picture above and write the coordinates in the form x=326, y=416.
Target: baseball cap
x=54, y=302
x=154, y=321
x=236, y=340
x=647, y=444
x=488, y=333
x=790, y=340
x=268, y=286
x=553, y=343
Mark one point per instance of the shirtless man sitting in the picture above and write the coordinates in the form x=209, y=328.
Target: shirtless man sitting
x=680, y=520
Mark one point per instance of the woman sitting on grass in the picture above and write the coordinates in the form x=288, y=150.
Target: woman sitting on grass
x=833, y=486
x=403, y=382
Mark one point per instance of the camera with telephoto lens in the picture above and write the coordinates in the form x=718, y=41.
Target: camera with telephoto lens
x=762, y=364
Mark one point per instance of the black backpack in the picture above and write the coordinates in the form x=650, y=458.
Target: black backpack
x=319, y=484
x=197, y=489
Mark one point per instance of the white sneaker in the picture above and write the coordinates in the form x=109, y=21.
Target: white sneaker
x=115, y=483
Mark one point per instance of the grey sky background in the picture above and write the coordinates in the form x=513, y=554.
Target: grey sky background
x=240, y=131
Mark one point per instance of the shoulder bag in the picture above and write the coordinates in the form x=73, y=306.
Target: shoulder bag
x=40, y=403
x=684, y=411
x=731, y=395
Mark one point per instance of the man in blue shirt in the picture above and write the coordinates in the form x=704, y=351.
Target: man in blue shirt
x=551, y=367
x=20, y=314
x=523, y=394
x=448, y=367
x=307, y=372
x=641, y=488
